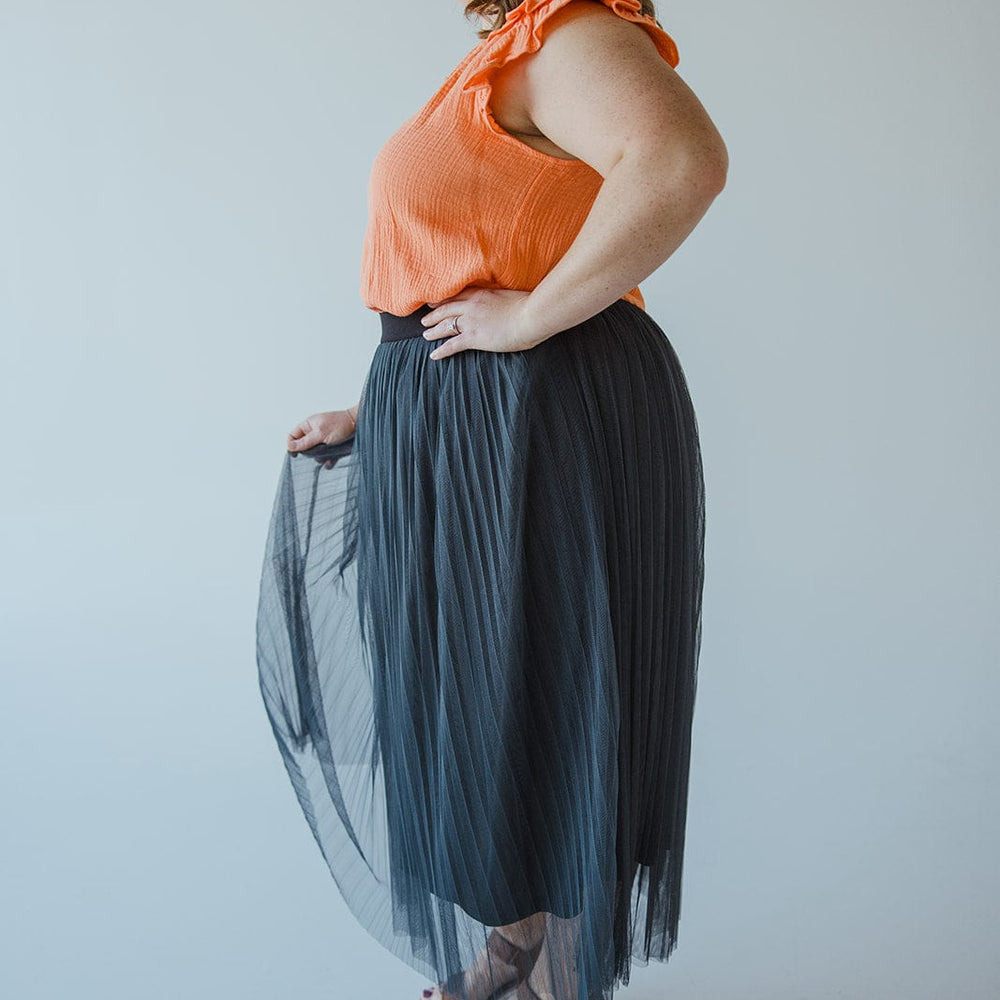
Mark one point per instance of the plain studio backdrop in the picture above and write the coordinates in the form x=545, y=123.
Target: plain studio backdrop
x=182, y=204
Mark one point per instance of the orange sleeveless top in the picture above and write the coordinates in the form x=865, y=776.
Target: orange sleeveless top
x=454, y=200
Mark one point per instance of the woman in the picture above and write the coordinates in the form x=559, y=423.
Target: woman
x=479, y=618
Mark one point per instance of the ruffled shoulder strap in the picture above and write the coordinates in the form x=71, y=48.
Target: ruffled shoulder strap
x=526, y=25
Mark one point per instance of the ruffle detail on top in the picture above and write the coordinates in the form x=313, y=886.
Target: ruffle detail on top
x=525, y=26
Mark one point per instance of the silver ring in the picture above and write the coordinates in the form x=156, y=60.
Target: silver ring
x=454, y=325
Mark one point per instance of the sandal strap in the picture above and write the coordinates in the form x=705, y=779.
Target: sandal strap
x=521, y=959
x=517, y=956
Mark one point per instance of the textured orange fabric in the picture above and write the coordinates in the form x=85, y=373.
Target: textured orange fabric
x=454, y=200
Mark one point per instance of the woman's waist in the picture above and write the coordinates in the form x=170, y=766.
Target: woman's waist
x=401, y=327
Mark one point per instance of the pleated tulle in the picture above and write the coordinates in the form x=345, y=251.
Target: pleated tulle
x=477, y=639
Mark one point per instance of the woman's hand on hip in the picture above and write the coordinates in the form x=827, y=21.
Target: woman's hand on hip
x=487, y=319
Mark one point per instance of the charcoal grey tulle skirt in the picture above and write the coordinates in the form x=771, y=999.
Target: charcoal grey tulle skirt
x=477, y=640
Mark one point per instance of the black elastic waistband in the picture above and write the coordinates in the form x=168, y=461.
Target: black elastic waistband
x=400, y=327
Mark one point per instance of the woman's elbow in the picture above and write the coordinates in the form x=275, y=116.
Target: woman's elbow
x=711, y=177
x=705, y=166
x=719, y=162
x=698, y=167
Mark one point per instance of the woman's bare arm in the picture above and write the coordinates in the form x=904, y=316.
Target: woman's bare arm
x=600, y=90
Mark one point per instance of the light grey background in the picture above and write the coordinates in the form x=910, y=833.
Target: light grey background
x=181, y=213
